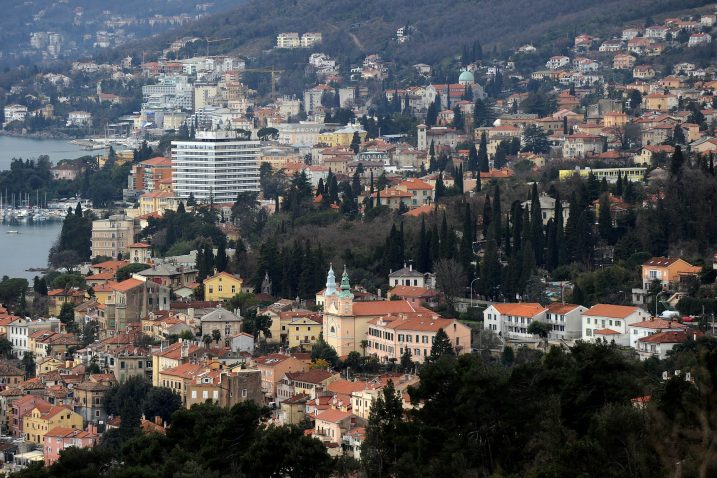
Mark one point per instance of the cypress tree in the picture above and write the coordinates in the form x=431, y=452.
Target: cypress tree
x=567, y=253
x=605, y=219
x=487, y=216
x=527, y=264
x=78, y=210
x=619, y=185
x=435, y=247
x=440, y=187
x=445, y=243
x=603, y=185
x=491, y=269
x=459, y=179
x=466, y=247
x=472, y=164
x=559, y=232
x=180, y=208
x=516, y=216
x=424, y=253
x=585, y=242
x=536, y=227
x=483, y=164
x=221, y=259
x=320, y=188
x=552, y=251
x=496, y=216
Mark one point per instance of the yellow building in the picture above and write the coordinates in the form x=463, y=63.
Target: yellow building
x=44, y=417
x=303, y=332
x=610, y=174
x=158, y=201
x=222, y=286
x=343, y=136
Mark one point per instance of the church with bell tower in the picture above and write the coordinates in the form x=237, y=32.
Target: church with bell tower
x=346, y=321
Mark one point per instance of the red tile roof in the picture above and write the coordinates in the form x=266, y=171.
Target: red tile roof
x=382, y=307
x=609, y=310
x=333, y=416
x=523, y=309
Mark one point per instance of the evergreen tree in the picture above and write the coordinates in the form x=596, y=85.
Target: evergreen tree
x=320, y=188
x=441, y=346
x=516, y=216
x=355, y=143
x=483, y=164
x=487, y=216
x=618, y=185
x=446, y=252
x=458, y=120
x=585, y=242
x=458, y=181
x=676, y=163
x=567, y=253
x=605, y=219
x=180, y=208
x=466, y=246
x=472, y=164
x=440, y=187
x=551, y=249
x=496, y=213
x=356, y=185
x=379, y=455
x=191, y=202
x=491, y=268
x=423, y=260
x=221, y=261
x=435, y=247
x=536, y=227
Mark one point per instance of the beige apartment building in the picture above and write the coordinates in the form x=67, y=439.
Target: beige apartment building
x=113, y=236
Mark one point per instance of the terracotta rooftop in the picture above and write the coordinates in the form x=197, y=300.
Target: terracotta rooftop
x=609, y=310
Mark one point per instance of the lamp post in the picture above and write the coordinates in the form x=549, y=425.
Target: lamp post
x=656, y=296
x=471, y=305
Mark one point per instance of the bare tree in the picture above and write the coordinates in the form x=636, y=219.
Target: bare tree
x=450, y=278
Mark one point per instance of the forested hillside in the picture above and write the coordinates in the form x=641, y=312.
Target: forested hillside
x=353, y=28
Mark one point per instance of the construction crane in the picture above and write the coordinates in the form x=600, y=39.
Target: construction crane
x=273, y=72
x=218, y=40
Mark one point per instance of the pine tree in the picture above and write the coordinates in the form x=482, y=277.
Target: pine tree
x=441, y=346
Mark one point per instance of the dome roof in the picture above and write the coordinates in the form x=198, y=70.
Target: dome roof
x=466, y=77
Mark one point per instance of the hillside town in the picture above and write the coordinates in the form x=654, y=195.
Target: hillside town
x=531, y=213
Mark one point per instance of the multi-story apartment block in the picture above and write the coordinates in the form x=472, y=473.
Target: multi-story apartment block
x=215, y=165
x=113, y=236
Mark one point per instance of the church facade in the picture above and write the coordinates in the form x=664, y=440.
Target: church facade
x=345, y=325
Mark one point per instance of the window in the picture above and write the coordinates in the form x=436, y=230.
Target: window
x=417, y=352
x=194, y=394
x=234, y=289
x=205, y=394
x=220, y=288
x=244, y=392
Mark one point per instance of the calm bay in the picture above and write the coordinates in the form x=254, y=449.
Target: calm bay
x=26, y=245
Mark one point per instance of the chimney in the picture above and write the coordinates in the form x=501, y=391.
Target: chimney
x=410, y=267
x=158, y=420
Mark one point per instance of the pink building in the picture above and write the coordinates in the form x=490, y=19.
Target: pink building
x=60, y=438
x=390, y=335
x=20, y=408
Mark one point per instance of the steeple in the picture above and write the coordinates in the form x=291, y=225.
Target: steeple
x=330, y=282
x=345, y=285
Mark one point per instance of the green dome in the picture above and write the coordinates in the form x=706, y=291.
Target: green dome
x=466, y=77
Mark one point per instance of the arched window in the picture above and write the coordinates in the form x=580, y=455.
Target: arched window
x=333, y=330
